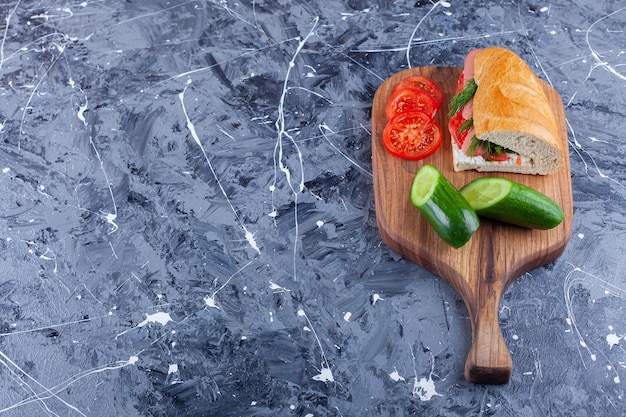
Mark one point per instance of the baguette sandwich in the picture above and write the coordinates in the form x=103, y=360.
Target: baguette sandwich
x=500, y=117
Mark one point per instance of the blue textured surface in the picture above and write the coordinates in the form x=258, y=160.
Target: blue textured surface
x=187, y=220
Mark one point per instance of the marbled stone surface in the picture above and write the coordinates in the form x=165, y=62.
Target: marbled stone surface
x=187, y=220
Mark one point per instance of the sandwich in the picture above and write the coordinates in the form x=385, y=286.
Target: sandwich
x=500, y=117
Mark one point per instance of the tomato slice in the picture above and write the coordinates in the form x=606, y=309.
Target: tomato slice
x=497, y=157
x=408, y=100
x=420, y=82
x=412, y=136
x=454, y=125
x=460, y=84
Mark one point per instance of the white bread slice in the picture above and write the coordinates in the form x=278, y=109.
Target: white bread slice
x=463, y=162
x=511, y=110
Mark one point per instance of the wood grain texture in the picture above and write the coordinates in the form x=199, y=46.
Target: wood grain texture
x=496, y=255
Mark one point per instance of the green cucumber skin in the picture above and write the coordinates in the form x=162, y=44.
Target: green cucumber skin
x=525, y=207
x=450, y=214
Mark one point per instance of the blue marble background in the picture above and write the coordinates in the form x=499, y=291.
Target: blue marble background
x=187, y=220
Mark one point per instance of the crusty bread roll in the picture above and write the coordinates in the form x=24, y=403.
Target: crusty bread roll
x=511, y=109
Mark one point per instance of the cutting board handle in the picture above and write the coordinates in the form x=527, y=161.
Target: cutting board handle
x=489, y=360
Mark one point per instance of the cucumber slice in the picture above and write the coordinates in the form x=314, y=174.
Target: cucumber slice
x=511, y=202
x=443, y=206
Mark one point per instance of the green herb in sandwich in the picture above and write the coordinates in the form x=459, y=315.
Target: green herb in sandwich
x=489, y=148
x=462, y=97
x=466, y=125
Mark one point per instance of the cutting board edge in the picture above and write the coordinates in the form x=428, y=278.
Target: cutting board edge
x=448, y=274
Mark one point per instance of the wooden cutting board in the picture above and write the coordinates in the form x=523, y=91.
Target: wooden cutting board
x=496, y=255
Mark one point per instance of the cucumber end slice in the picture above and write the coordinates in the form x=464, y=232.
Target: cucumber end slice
x=511, y=202
x=481, y=193
x=424, y=185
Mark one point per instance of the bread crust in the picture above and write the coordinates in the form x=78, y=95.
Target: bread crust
x=512, y=110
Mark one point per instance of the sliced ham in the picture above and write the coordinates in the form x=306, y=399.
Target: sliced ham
x=468, y=110
x=468, y=66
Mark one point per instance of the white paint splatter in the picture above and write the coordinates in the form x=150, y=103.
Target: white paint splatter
x=280, y=161
x=375, y=298
x=109, y=217
x=596, y=55
x=576, y=276
x=412, y=37
x=325, y=375
x=613, y=340
x=160, y=317
x=173, y=377
x=81, y=112
x=568, y=283
x=172, y=369
x=277, y=288
x=209, y=300
x=41, y=393
x=192, y=129
x=325, y=130
x=251, y=240
x=424, y=389
x=395, y=375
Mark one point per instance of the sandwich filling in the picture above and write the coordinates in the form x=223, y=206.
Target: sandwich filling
x=465, y=141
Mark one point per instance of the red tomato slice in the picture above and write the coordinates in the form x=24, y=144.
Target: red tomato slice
x=419, y=82
x=454, y=125
x=412, y=136
x=497, y=158
x=408, y=100
x=460, y=84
